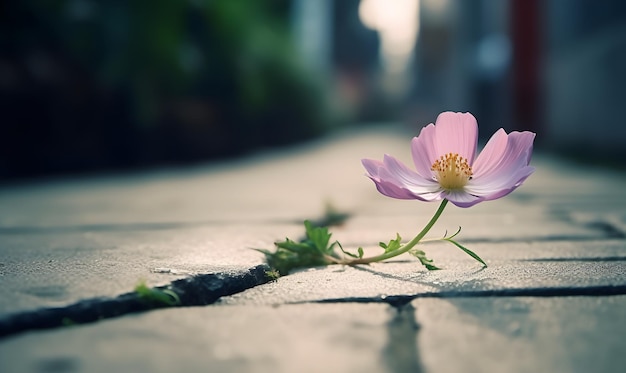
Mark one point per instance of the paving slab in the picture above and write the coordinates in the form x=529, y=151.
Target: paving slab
x=545, y=268
x=55, y=270
x=296, y=338
x=469, y=334
x=522, y=334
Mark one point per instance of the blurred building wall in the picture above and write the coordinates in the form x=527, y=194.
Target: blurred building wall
x=464, y=61
x=92, y=85
x=89, y=85
x=556, y=67
x=585, y=76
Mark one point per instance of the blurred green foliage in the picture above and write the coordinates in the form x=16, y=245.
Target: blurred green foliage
x=124, y=83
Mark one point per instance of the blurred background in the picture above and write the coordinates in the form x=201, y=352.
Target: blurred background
x=110, y=85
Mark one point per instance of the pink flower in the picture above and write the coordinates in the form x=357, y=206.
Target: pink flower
x=447, y=167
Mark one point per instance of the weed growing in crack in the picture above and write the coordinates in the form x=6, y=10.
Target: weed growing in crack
x=164, y=296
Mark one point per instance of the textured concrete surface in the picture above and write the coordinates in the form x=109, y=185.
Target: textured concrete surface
x=297, y=338
x=503, y=334
x=58, y=269
x=552, y=298
x=62, y=241
x=518, y=268
x=470, y=334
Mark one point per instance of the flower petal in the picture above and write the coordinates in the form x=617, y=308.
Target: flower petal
x=372, y=166
x=461, y=198
x=421, y=193
x=456, y=133
x=516, y=155
x=500, y=171
x=394, y=179
x=423, y=151
x=509, y=174
x=520, y=143
x=397, y=173
x=374, y=169
x=410, y=179
x=491, y=155
x=498, y=188
x=391, y=190
x=519, y=178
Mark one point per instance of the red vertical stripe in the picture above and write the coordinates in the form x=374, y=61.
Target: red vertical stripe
x=527, y=87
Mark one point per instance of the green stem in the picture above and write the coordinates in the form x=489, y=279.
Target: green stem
x=403, y=249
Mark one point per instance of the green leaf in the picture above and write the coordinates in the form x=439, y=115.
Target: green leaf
x=359, y=254
x=346, y=252
x=467, y=251
x=294, y=246
x=165, y=296
x=392, y=245
x=452, y=236
x=319, y=236
x=421, y=255
x=312, y=251
x=284, y=260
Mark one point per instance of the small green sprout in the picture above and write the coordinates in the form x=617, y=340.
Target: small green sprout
x=312, y=251
x=66, y=321
x=272, y=274
x=164, y=296
x=316, y=249
x=465, y=249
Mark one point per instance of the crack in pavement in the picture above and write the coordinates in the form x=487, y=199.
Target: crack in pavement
x=402, y=300
x=581, y=259
x=197, y=290
x=401, y=352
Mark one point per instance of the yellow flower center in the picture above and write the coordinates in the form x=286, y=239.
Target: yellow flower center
x=452, y=171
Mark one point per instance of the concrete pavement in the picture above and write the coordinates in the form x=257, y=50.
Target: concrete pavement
x=72, y=251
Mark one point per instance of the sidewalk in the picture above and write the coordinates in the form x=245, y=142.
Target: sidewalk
x=71, y=253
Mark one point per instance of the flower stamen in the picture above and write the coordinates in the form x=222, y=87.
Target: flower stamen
x=452, y=171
